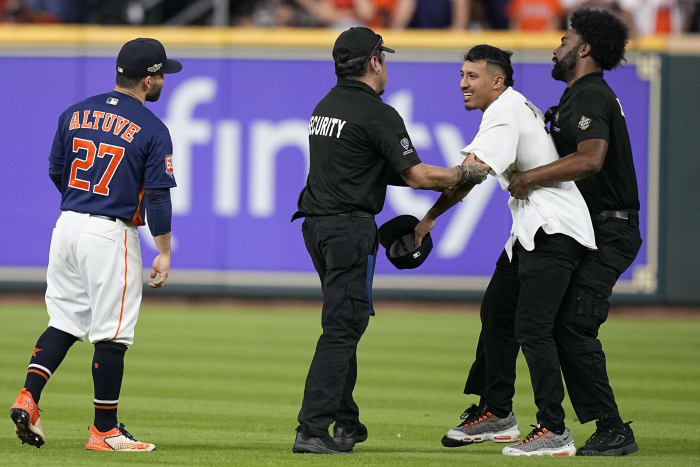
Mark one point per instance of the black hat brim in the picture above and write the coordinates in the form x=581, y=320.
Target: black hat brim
x=387, y=49
x=395, y=228
x=172, y=66
x=405, y=256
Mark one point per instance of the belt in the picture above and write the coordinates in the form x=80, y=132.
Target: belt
x=632, y=217
x=364, y=214
x=107, y=218
x=356, y=214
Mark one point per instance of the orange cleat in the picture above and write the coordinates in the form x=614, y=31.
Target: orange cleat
x=116, y=439
x=25, y=414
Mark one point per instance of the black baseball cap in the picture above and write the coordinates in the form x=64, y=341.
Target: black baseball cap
x=397, y=237
x=145, y=57
x=359, y=42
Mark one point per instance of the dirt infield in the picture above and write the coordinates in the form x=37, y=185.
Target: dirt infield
x=623, y=311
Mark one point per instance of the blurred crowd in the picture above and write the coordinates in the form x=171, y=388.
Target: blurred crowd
x=644, y=17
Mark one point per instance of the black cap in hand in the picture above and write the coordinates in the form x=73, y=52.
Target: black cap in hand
x=397, y=236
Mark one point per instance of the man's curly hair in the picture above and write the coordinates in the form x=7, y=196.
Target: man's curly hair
x=606, y=34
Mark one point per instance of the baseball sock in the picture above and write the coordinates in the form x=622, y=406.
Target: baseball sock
x=49, y=352
x=107, y=372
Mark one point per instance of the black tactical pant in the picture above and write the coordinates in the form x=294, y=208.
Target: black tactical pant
x=584, y=309
x=342, y=248
x=519, y=311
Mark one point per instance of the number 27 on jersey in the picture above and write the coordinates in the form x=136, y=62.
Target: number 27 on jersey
x=88, y=146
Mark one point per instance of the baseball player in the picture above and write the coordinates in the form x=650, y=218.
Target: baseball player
x=550, y=234
x=111, y=158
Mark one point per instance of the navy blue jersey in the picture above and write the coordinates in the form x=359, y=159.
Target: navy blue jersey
x=107, y=150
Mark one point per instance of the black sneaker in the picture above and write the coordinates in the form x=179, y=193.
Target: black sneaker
x=609, y=441
x=318, y=445
x=345, y=436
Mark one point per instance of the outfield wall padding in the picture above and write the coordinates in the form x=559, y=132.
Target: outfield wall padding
x=238, y=115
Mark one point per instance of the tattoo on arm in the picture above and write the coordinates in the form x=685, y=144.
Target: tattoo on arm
x=478, y=171
x=473, y=173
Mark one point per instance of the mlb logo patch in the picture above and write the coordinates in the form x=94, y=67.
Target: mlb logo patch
x=169, y=165
x=584, y=122
x=112, y=100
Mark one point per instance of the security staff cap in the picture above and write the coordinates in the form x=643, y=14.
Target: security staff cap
x=145, y=57
x=397, y=237
x=359, y=42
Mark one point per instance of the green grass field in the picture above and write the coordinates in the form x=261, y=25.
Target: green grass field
x=222, y=384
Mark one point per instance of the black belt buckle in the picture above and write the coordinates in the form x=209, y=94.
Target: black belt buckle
x=632, y=217
x=107, y=218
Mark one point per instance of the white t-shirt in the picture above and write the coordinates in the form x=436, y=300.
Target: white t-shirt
x=512, y=137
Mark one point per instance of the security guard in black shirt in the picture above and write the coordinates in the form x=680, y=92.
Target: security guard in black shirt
x=589, y=99
x=589, y=129
x=358, y=145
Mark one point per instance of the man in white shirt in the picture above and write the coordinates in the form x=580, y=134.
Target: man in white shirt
x=550, y=233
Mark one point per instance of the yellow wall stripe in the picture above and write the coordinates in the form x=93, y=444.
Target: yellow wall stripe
x=48, y=35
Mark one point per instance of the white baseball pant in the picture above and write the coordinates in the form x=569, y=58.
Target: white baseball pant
x=94, y=278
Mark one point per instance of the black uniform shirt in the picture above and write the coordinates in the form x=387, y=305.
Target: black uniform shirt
x=587, y=110
x=358, y=145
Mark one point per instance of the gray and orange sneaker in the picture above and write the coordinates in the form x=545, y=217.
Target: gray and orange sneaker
x=542, y=442
x=480, y=425
x=116, y=439
x=25, y=414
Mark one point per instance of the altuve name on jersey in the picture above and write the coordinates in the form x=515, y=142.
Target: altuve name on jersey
x=109, y=122
x=326, y=126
